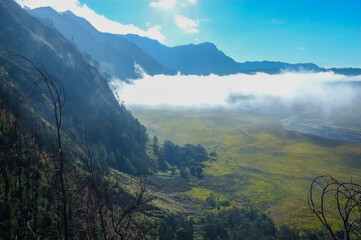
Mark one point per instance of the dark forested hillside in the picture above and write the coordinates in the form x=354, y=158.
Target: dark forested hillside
x=60, y=130
x=89, y=101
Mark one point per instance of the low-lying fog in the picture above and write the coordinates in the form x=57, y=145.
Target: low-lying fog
x=333, y=99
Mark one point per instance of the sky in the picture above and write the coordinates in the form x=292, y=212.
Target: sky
x=325, y=32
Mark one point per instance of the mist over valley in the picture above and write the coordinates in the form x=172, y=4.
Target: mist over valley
x=180, y=119
x=320, y=98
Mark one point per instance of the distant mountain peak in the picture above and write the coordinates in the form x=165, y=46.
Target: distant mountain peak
x=68, y=12
x=199, y=59
x=208, y=44
x=117, y=53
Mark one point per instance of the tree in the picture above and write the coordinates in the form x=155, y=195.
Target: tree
x=199, y=172
x=48, y=85
x=175, y=227
x=237, y=223
x=328, y=196
x=54, y=90
x=155, y=146
x=52, y=186
x=184, y=173
x=32, y=168
x=188, y=158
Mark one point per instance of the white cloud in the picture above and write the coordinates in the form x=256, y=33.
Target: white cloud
x=165, y=4
x=187, y=24
x=240, y=90
x=100, y=22
x=301, y=48
x=192, y=1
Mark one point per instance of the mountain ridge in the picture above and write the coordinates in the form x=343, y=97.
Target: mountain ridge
x=115, y=56
x=110, y=126
x=155, y=58
x=200, y=59
x=154, y=48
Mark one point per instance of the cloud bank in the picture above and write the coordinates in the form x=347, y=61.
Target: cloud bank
x=100, y=22
x=325, y=91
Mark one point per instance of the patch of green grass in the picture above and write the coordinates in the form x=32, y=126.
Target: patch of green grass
x=203, y=193
x=200, y=193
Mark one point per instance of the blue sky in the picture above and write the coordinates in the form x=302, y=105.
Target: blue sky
x=327, y=33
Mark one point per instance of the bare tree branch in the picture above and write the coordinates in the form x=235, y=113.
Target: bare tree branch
x=346, y=197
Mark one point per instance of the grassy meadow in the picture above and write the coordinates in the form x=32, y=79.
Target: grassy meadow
x=259, y=162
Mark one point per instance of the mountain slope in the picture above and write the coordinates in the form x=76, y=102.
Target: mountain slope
x=89, y=100
x=200, y=59
x=205, y=59
x=115, y=55
x=271, y=65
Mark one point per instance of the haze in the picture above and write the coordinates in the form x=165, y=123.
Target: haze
x=326, y=91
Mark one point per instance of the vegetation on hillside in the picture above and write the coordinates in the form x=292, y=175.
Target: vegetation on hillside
x=55, y=187
x=250, y=224
x=110, y=126
x=259, y=164
x=65, y=143
x=188, y=159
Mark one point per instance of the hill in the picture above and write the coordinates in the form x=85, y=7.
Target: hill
x=115, y=56
x=89, y=99
x=205, y=59
x=200, y=59
x=119, y=55
x=272, y=67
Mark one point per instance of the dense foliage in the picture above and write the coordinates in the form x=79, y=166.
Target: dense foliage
x=238, y=224
x=250, y=224
x=188, y=159
x=53, y=186
x=175, y=227
x=23, y=183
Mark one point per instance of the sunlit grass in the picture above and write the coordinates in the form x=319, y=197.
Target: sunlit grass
x=203, y=193
x=278, y=164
